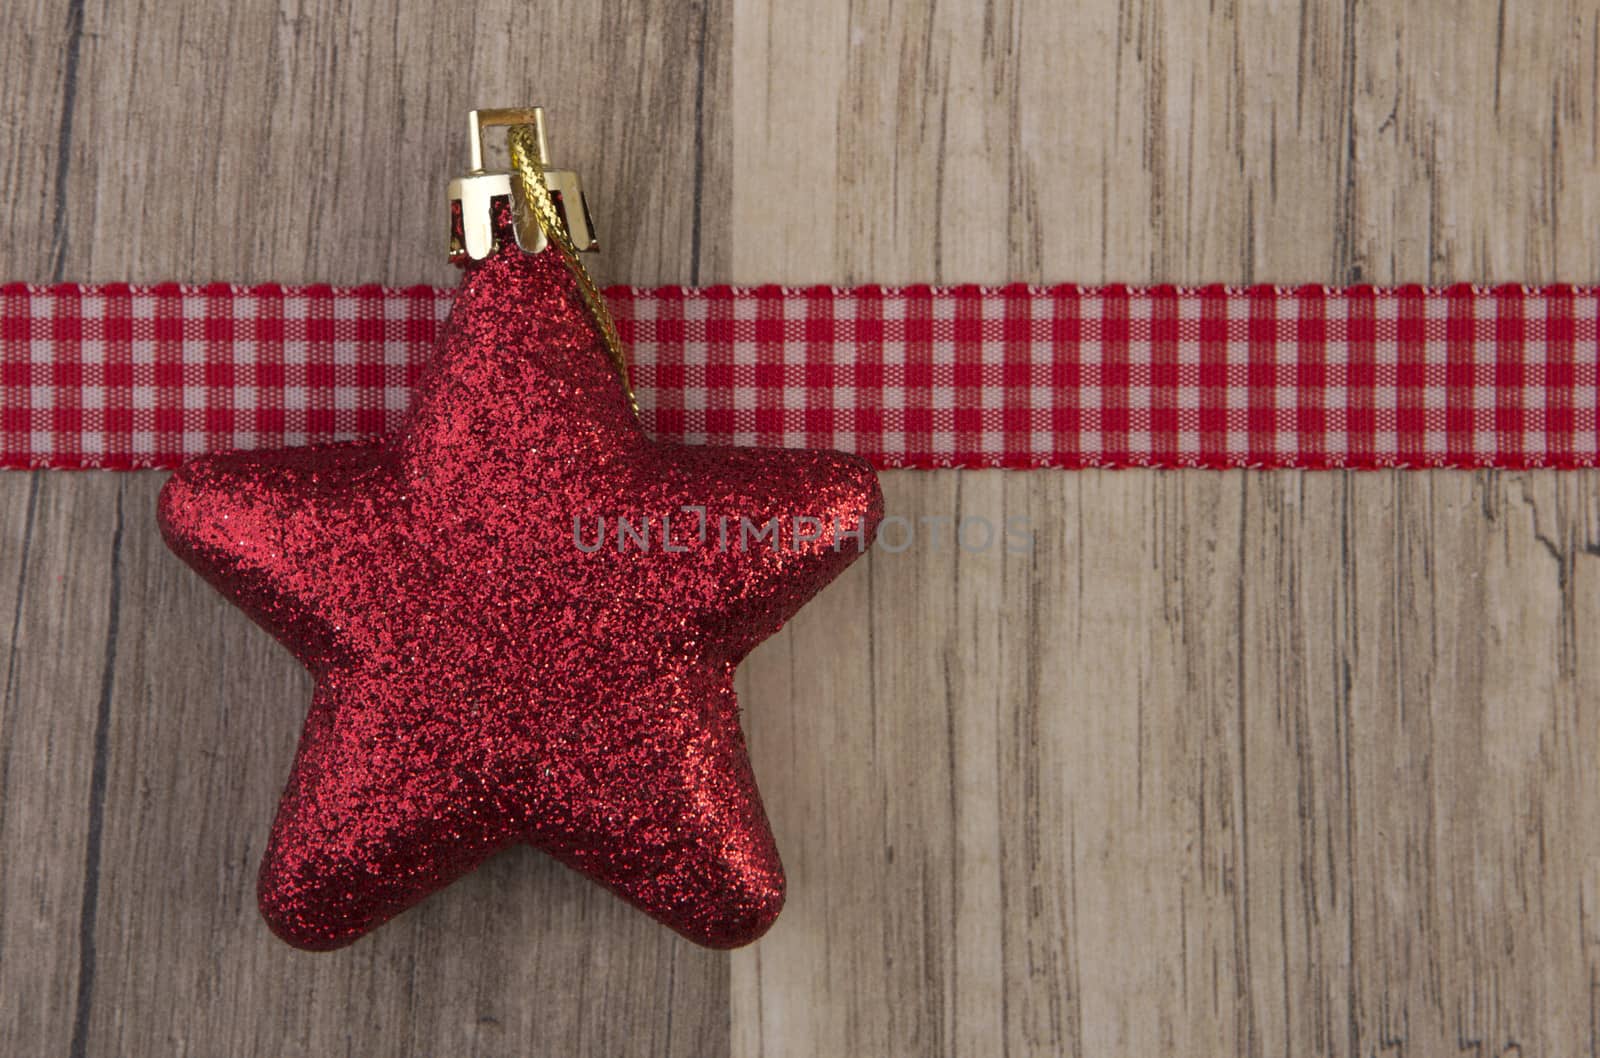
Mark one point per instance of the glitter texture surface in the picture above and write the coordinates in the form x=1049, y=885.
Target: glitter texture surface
x=523, y=618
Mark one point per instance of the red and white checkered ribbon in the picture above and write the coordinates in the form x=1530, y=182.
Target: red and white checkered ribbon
x=119, y=376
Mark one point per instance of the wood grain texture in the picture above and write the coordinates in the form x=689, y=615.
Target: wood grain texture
x=1227, y=763
x=1248, y=764
x=146, y=728
x=1209, y=772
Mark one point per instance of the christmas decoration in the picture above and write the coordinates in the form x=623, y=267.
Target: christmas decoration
x=523, y=615
x=1066, y=376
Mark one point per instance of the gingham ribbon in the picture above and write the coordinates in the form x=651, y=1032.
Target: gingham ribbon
x=118, y=376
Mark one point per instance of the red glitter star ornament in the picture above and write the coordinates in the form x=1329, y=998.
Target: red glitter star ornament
x=523, y=617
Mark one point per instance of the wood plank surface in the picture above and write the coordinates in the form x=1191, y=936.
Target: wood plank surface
x=147, y=729
x=1250, y=764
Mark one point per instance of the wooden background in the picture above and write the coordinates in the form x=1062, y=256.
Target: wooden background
x=1254, y=764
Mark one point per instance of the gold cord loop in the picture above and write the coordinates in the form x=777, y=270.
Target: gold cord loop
x=535, y=196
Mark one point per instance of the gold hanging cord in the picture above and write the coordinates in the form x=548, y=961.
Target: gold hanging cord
x=532, y=193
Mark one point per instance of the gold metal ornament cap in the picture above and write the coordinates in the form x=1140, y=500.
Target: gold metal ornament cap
x=472, y=234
